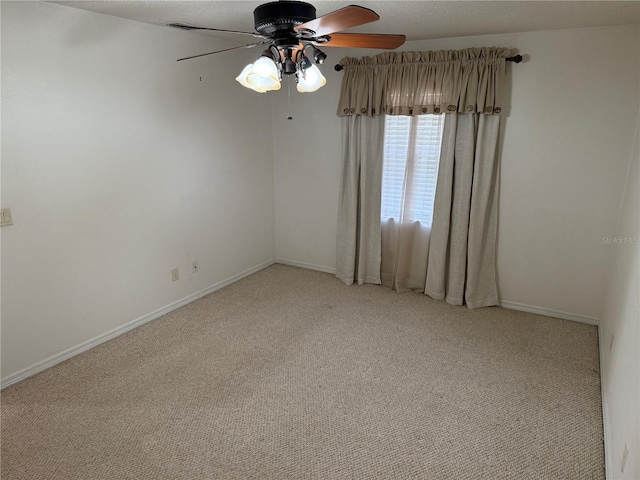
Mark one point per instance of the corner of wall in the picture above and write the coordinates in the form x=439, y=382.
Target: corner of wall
x=619, y=332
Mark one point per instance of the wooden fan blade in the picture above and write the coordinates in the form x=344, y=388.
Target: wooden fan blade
x=249, y=45
x=363, y=40
x=183, y=26
x=346, y=17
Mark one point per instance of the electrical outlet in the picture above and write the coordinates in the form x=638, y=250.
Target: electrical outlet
x=175, y=274
x=625, y=454
x=194, y=267
x=611, y=343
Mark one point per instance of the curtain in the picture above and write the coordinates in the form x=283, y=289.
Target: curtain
x=406, y=220
x=417, y=83
x=454, y=258
x=358, y=242
x=405, y=249
x=462, y=250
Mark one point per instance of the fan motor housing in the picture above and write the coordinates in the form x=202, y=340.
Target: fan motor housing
x=279, y=17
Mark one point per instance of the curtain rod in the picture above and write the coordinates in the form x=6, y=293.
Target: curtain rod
x=515, y=59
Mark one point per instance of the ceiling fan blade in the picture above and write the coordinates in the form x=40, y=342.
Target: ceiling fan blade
x=183, y=26
x=249, y=45
x=346, y=17
x=363, y=40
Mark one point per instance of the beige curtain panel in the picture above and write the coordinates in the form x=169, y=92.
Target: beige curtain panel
x=415, y=83
x=358, y=241
x=462, y=263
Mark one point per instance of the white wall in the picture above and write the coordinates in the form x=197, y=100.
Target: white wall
x=565, y=152
x=120, y=164
x=620, y=332
x=307, y=171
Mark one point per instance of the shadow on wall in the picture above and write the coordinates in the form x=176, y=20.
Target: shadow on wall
x=89, y=32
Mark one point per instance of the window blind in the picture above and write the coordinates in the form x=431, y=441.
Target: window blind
x=410, y=167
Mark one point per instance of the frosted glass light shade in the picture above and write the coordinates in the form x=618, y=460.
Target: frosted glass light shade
x=310, y=79
x=242, y=79
x=263, y=75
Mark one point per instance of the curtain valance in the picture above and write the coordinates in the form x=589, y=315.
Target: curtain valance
x=414, y=83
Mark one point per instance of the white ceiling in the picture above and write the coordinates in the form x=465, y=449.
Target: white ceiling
x=417, y=19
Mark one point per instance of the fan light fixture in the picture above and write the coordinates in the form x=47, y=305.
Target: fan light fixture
x=310, y=80
x=287, y=28
x=242, y=79
x=265, y=74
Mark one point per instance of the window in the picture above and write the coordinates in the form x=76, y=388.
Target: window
x=411, y=151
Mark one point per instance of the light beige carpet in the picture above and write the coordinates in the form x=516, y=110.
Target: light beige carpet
x=289, y=374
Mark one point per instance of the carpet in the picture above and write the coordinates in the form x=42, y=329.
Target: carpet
x=290, y=374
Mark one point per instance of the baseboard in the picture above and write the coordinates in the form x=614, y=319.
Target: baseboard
x=308, y=266
x=582, y=319
x=549, y=312
x=608, y=466
x=83, y=347
x=504, y=303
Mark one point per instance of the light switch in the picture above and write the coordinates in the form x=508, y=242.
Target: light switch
x=5, y=217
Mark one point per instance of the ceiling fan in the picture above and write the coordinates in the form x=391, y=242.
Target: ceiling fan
x=289, y=28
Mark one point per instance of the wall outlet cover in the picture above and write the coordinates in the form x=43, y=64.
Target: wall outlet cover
x=175, y=274
x=194, y=267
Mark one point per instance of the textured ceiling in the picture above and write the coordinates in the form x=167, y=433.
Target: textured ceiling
x=417, y=19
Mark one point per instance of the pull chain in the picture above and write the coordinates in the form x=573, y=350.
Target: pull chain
x=289, y=117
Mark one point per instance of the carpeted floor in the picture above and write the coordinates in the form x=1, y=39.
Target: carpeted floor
x=289, y=374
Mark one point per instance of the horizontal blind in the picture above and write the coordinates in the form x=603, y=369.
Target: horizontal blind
x=410, y=168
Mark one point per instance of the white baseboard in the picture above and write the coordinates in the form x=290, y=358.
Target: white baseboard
x=504, y=303
x=608, y=466
x=308, y=266
x=83, y=347
x=549, y=312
